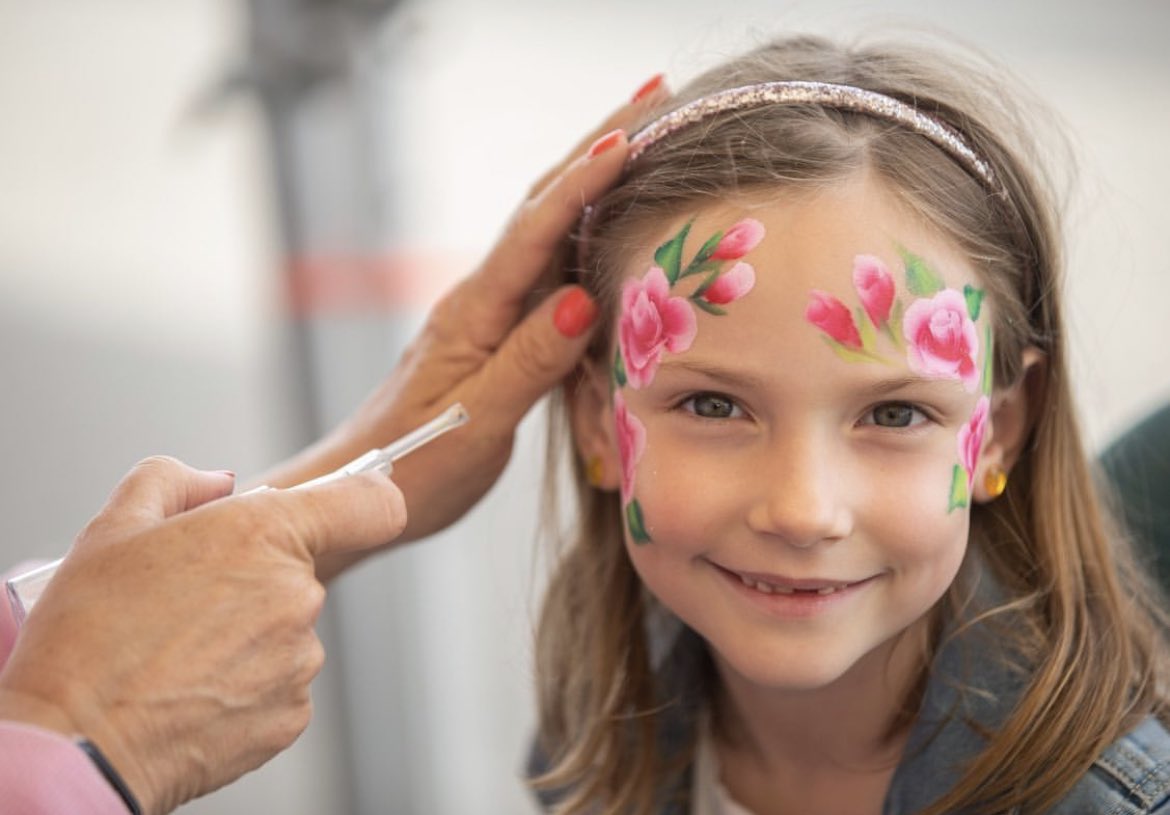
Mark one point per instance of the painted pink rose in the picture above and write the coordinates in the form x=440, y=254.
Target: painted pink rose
x=631, y=440
x=942, y=339
x=731, y=285
x=971, y=437
x=651, y=323
x=832, y=316
x=742, y=238
x=875, y=287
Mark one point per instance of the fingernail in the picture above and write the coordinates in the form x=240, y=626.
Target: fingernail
x=228, y=473
x=648, y=87
x=606, y=142
x=575, y=313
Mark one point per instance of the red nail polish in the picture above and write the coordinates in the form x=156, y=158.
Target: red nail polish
x=606, y=142
x=575, y=313
x=647, y=88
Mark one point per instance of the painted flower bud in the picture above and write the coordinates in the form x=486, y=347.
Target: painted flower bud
x=742, y=238
x=875, y=287
x=731, y=285
x=832, y=316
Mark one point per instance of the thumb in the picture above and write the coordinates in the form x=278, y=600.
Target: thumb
x=359, y=512
x=538, y=353
x=154, y=490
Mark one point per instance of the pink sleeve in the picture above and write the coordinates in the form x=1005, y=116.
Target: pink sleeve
x=44, y=773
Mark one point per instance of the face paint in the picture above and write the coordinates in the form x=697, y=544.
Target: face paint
x=653, y=321
x=938, y=335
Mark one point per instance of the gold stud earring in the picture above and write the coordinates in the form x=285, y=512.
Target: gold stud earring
x=594, y=471
x=995, y=482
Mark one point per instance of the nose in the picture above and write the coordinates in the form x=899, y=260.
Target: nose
x=802, y=497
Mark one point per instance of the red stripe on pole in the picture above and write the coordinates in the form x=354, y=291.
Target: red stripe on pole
x=339, y=284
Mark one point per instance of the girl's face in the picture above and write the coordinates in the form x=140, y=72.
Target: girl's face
x=798, y=420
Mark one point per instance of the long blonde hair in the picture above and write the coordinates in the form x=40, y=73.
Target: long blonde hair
x=1094, y=631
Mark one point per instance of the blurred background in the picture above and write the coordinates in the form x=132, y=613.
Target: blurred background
x=221, y=220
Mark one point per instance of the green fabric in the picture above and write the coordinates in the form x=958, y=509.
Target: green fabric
x=1137, y=466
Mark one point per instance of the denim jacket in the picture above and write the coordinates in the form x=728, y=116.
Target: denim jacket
x=1130, y=777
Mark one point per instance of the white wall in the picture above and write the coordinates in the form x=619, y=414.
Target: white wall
x=140, y=303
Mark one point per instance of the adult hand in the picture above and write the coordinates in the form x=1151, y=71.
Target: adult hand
x=178, y=633
x=481, y=347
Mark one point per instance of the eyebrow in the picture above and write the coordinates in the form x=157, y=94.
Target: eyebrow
x=897, y=383
x=719, y=373
x=731, y=376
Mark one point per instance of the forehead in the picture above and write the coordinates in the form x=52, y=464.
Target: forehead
x=813, y=237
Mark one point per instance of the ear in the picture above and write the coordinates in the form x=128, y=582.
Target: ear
x=591, y=415
x=1013, y=415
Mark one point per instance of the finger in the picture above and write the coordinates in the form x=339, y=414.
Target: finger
x=517, y=261
x=646, y=98
x=536, y=356
x=154, y=490
x=360, y=512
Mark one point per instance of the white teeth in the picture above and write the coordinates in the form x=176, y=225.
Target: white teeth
x=769, y=588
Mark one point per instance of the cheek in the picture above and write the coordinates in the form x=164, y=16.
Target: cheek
x=687, y=497
x=922, y=543
x=905, y=507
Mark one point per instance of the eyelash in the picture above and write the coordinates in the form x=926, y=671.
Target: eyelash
x=918, y=416
x=688, y=405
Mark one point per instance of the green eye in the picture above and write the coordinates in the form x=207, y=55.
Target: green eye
x=712, y=406
x=894, y=414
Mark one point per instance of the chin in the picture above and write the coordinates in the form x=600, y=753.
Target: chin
x=786, y=670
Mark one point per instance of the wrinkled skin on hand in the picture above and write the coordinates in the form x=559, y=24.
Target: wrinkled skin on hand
x=480, y=346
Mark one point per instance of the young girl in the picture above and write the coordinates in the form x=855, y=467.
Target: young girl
x=839, y=548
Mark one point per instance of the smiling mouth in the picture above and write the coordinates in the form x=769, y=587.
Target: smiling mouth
x=767, y=584
x=781, y=588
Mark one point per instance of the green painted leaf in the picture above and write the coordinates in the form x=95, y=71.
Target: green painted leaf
x=636, y=523
x=852, y=354
x=669, y=254
x=703, y=254
x=865, y=329
x=974, y=298
x=988, y=360
x=959, y=496
x=706, y=284
x=710, y=308
x=893, y=326
x=920, y=278
x=619, y=369
x=702, y=268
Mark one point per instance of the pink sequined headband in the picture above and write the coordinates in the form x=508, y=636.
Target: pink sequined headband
x=842, y=97
x=794, y=92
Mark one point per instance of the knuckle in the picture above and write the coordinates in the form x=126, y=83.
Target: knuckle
x=397, y=509
x=314, y=658
x=292, y=725
x=158, y=465
x=391, y=504
x=313, y=598
x=534, y=357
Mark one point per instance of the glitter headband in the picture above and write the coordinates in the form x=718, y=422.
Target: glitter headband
x=842, y=97
x=795, y=92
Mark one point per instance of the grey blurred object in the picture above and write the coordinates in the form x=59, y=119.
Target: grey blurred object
x=1137, y=464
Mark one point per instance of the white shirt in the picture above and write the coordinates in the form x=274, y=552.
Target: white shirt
x=708, y=795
